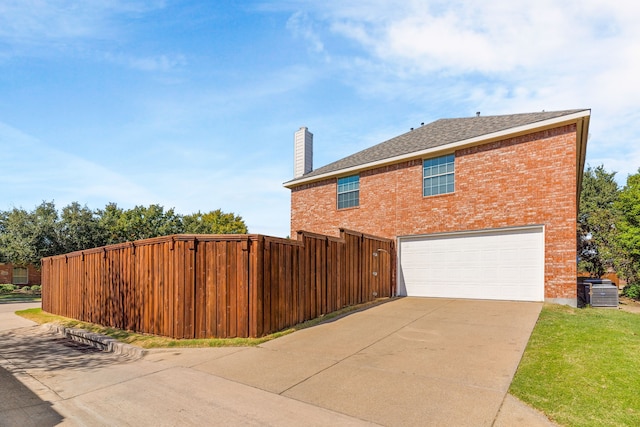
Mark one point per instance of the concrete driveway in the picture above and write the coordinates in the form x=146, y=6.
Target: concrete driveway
x=411, y=361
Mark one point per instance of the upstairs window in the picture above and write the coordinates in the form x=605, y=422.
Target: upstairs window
x=438, y=175
x=348, y=191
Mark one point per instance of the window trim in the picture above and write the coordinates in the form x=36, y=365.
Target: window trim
x=352, y=191
x=446, y=173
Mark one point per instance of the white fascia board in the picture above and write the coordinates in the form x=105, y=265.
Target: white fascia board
x=446, y=148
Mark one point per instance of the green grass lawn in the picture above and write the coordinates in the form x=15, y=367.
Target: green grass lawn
x=582, y=367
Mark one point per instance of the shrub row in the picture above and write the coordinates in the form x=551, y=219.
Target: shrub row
x=7, y=288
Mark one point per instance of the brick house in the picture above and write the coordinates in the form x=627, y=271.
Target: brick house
x=21, y=276
x=481, y=207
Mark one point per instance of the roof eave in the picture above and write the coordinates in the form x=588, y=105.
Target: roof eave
x=483, y=139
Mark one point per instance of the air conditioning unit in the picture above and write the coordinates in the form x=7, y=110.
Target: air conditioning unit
x=598, y=292
x=604, y=295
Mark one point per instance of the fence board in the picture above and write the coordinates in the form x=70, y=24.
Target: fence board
x=242, y=305
x=232, y=295
x=210, y=288
x=257, y=290
x=189, y=289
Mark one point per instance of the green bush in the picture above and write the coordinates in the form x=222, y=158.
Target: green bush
x=36, y=289
x=7, y=288
x=632, y=291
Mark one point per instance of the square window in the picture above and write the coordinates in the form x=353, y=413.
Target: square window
x=438, y=175
x=20, y=276
x=348, y=191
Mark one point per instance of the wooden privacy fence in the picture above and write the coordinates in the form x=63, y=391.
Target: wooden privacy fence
x=200, y=286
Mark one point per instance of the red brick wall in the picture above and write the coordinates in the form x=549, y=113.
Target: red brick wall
x=530, y=179
x=35, y=276
x=6, y=275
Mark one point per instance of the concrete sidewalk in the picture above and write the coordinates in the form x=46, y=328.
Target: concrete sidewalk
x=406, y=362
x=8, y=320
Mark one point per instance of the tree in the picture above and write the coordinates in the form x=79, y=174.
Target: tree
x=109, y=224
x=17, y=237
x=26, y=237
x=597, y=232
x=628, y=205
x=142, y=222
x=146, y=222
x=79, y=228
x=214, y=222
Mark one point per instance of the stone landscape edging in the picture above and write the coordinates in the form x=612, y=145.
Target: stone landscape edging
x=101, y=342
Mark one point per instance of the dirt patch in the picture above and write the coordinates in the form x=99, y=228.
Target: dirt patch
x=630, y=305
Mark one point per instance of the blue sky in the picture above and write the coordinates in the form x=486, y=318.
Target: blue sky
x=193, y=104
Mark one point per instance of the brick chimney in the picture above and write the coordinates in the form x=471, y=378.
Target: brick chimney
x=302, y=152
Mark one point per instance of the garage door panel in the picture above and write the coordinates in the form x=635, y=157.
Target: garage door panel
x=496, y=264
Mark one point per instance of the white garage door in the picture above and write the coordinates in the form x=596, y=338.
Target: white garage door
x=504, y=264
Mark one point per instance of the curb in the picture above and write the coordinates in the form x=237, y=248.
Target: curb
x=98, y=341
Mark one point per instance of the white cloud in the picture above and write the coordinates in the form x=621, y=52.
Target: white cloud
x=301, y=26
x=173, y=112
x=487, y=37
x=150, y=63
x=49, y=21
x=44, y=28
x=30, y=166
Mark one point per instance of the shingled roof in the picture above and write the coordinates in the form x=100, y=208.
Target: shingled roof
x=436, y=134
